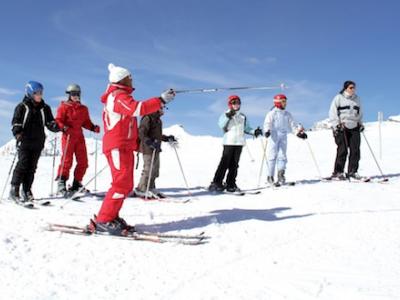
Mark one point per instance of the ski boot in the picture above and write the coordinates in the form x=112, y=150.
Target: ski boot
x=14, y=193
x=27, y=196
x=281, y=177
x=338, y=176
x=142, y=194
x=77, y=186
x=158, y=193
x=61, y=186
x=270, y=180
x=118, y=227
x=354, y=175
x=216, y=187
x=233, y=189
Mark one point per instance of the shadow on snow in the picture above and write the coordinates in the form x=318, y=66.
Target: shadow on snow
x=224, y=216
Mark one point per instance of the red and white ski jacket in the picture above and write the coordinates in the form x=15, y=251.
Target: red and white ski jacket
x=119, y=117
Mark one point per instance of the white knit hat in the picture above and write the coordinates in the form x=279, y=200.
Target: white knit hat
x=117, y=73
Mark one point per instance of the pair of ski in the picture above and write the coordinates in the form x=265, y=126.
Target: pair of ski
x=361, y=180
x=155, y=237
x=33, y=204
x=161, y=198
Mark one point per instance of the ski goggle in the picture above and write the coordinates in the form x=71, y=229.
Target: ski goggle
x=75, y=94
x=235, y=102
x=38, y=93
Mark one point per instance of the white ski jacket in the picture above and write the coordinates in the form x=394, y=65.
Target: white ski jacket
x=347, y=110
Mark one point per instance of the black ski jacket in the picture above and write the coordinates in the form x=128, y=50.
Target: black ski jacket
x=29, y=120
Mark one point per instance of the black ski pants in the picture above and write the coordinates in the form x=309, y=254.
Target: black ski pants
x=347, y=139
x=229, y=161
x=24, y=172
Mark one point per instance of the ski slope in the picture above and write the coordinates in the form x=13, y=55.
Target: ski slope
x=316, y=240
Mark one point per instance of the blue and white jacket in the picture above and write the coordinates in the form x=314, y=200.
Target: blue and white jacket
x=235, y=128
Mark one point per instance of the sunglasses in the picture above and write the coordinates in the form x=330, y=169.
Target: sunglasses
x=235, y=102
x=352, y=87
x=75, y=94
x=38, y=93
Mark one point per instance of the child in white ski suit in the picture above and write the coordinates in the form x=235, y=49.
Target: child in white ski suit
x=278, y=122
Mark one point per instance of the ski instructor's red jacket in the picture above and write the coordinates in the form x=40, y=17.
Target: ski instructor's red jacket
x=119, y=117
x=119, y=142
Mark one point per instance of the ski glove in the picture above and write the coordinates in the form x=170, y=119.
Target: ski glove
x=230, y=113
x=302, y=135
x=171, y=139
x=338, y=130
x=18, y=137
x=257, y=132
x=267, y=134
x=52, y=126
x=361, y=128
x=154, y=144
x=96, y=128
x=167, y=96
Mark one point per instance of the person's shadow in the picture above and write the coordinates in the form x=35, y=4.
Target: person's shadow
x=221, y=217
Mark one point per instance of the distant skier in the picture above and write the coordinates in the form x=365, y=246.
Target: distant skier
x=71, y=117
x=150, y=134
x=278, y=123
x=119, y=143
x=234, y=125
x=30, y=118
x=345, y=116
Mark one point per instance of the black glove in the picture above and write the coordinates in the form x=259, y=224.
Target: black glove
x=230, y=113
x=267, y=134
x=154, y=144
x=18, y=137
x=257, y=132
x=96, y=128
x=171, y=139
x=338, y=130
x=302, y=135
x=361, y=128
x=52, y=126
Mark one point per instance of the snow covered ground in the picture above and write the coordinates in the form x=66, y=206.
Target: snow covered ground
x=316, y=240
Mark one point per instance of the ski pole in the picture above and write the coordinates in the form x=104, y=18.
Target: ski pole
x=64, y=155
x=262, y=161
x=313, y=157
x=248, y=152
x=180, y=166
x=74, y=195
x=53, y=167
x=282, y=86
x=9, y=173
x=373, y=155
x=95, y=165
x=153, y=155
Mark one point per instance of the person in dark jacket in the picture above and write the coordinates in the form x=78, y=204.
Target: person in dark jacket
x=30, y=118
x=150, y=135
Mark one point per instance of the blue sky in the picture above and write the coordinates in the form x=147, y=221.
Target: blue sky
x=312, y=46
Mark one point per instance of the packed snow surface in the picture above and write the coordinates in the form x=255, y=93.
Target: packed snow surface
x=316, y=240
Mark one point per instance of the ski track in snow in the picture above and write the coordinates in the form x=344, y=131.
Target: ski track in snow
x=316, y=240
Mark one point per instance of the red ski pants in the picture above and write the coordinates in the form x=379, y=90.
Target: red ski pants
x=70, y=146
x=121, y=163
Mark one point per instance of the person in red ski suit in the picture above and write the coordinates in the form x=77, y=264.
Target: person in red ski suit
x=120, y=140
x=71, y=117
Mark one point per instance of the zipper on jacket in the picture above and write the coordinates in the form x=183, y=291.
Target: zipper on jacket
x=130, y=129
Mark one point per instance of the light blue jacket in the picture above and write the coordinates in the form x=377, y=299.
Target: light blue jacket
x=280, y=122
x=235, y=128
